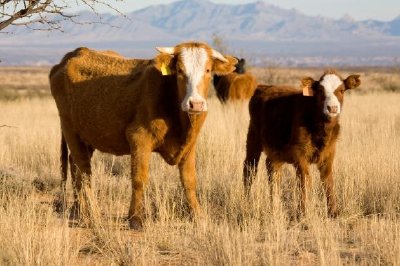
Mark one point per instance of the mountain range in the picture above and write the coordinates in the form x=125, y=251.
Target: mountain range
x=263, y=33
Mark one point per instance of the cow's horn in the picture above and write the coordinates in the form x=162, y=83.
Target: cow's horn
x=219, y=56
x=166, y=50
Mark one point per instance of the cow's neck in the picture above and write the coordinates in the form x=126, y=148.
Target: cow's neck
x=183, y=128
x=191, y=126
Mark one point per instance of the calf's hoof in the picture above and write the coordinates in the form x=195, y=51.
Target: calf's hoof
x=74, y=213
x=59, y=205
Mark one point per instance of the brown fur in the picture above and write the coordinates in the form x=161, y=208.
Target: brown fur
x=235, y=86
x=122, y=106
x=291, y=128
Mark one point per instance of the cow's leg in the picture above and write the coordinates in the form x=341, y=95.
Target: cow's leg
x=303, y=174
x=187, y=170
x=253, y=153
x=140, y=145
x=79, y=158
x=274, y=176
x=325, y=169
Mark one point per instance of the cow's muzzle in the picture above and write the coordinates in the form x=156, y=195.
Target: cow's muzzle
x=197, y=106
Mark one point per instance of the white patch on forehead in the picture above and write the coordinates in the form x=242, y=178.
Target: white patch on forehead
x=194, y=60
x=330, y=83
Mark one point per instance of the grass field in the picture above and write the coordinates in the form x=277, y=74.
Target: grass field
x=233, y=231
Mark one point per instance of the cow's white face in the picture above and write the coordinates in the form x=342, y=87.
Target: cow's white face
x=196, y=71
x=333, y=89
x=193, y=64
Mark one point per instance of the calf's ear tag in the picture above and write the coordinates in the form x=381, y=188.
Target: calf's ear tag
x=165, y=70
x=307, y=91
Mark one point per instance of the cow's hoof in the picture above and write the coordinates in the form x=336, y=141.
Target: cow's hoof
x=334, y=213
x=136, y=223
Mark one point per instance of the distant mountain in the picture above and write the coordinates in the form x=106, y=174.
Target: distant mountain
x=256, y=21
x=265, y=33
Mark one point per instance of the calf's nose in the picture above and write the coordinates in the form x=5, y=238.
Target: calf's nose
x=333, y=109
x=196, y=106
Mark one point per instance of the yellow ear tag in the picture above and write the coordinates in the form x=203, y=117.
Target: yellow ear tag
x=307, y=91
x=165, y=70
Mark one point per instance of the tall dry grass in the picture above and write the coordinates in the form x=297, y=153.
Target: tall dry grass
x=233, y=231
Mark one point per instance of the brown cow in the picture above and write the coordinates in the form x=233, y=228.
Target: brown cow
x=135, y=107
x=299, y=130
x=239, y=85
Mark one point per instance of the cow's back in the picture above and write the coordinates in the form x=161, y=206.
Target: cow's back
x=242, y=86
x=98, y=95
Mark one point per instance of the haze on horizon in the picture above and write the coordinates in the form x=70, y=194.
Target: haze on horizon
x=384, y=10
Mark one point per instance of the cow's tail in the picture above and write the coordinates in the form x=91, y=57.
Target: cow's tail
x=64, y=163
x=61, y=200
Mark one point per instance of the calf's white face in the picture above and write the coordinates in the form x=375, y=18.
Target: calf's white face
x=333, y=89
x=329, y=91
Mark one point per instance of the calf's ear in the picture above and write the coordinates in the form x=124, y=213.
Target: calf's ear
x=164, y=61
x=307, y=86
x=352, y=82
x=223, y=67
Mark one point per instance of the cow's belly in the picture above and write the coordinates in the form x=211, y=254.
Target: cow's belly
x=114, y=143
x=106, y=135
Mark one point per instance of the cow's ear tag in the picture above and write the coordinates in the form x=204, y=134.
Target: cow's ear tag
x=165, y=70
x=307, y=91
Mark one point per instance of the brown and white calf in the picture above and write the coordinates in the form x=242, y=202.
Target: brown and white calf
x=296, y=129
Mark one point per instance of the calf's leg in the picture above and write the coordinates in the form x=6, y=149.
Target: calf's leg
x=274, y=176
x=303, y=174
x=253, y=153
x=325, y=169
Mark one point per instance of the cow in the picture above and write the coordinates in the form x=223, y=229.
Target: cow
x=134, y=107
x=297, y=129
x=239, y=85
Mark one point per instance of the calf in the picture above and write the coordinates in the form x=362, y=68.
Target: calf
x=292, y=128
x=238, y=85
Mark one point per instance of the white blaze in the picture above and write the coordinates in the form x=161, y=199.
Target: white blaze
x=330, y=83
x=194, y=61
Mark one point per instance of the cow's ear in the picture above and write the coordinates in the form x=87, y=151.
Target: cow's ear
x=224, y=65
x=164, y=61
x=352, y=82
x=307, y=86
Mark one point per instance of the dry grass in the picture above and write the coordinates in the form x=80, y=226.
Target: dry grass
x=23, y=82
x=234, y=231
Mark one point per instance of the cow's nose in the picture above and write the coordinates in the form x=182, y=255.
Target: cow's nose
x=333, y=109
x=196, y=106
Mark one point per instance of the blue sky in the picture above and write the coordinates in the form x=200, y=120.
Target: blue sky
x=358, y=9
